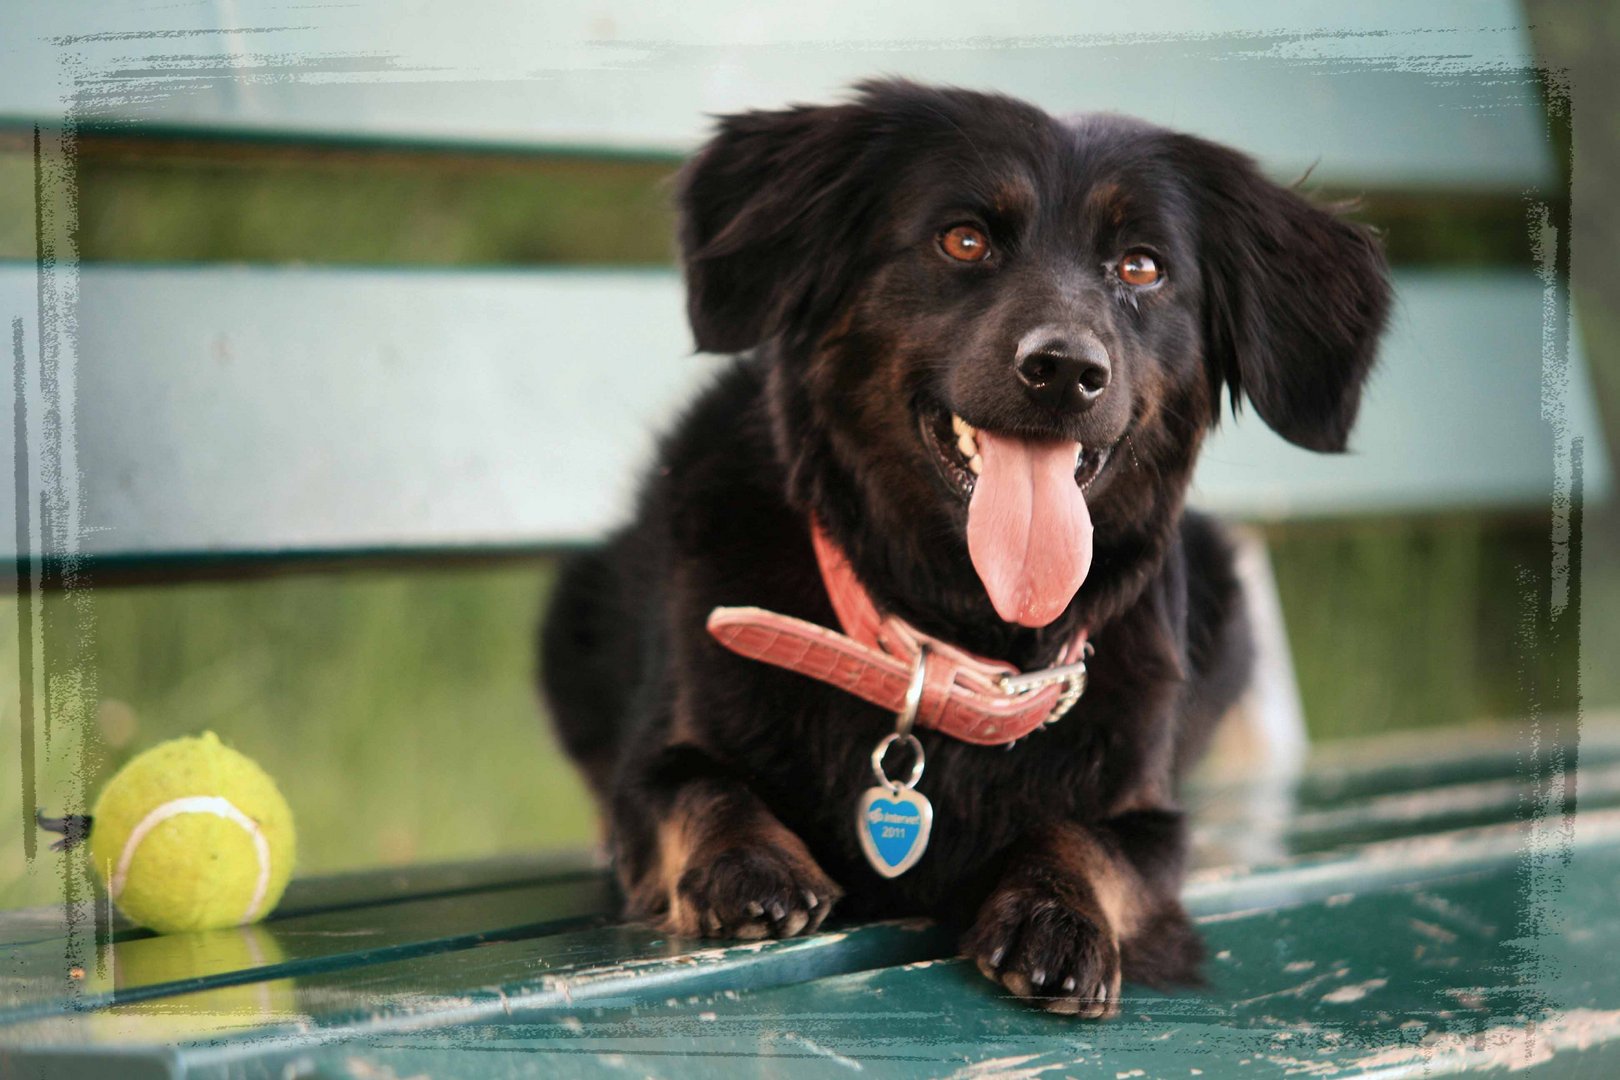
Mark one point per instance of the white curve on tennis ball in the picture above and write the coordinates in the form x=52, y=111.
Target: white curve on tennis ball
x=197, y=804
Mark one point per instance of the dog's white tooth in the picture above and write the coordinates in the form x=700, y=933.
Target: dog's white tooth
x=966, y=444
x=976, y=464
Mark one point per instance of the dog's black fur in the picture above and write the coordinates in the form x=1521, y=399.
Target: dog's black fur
x=811, y=244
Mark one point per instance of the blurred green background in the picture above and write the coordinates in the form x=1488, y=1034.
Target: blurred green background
x=397, y=706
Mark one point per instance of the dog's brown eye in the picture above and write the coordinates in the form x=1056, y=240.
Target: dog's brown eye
x=1138, y=268
x=965, y=243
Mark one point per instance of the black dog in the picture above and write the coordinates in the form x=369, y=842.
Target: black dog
x=981, y=349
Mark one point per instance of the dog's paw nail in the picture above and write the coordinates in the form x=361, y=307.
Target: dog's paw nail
x=995, y=957
x=811, y=900
x=778, y=912
x=1038, y=976
x=755, y=908
x=1068, y=985
x=795, y=924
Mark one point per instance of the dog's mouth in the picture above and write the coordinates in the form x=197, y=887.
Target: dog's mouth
x=1028, y=526
x=955, y=446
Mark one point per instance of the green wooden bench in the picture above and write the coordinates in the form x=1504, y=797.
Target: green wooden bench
x=1394, y=935
x=1403, y=908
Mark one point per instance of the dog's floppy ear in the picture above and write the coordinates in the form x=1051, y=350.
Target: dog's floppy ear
x=1295, y=297
x=770, y=218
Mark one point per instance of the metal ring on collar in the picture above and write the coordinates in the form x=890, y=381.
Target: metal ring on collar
x=916, y=760
x=914, y=693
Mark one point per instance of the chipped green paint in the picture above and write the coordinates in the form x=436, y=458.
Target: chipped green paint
x=144, y=966
x=1354, y=986
x=609, y=967
x=1425, y=947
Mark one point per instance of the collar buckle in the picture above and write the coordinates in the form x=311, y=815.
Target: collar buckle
x=1072, y=676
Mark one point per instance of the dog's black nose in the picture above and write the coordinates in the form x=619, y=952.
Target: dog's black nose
x=1065, y=374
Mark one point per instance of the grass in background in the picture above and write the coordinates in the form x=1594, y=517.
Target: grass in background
x=187, y=200
x=396, y=710
x=1381, y=622
x=16, y=198
x=1425, y=622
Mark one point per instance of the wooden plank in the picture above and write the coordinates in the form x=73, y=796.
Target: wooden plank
x=287, y=1016
x=286, y=987
x=1369, y=93
x=228, y=413
x=273, y=411
x=1225, y=829
x=1353, y=969
x=1399, y=861
x=1436, y=979
x=1393, y=787
x=329, y=950
x=354, y=889
x=36, y=978
x=1406, y=760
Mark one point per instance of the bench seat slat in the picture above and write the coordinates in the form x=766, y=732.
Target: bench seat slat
x=1431, y=979
x=1372, y=93
x=1303, y=829
x=291, y=1008
x=609, y=966
x=142, y=968
x=1341, y=970
x=354, y=889
x=255, y=411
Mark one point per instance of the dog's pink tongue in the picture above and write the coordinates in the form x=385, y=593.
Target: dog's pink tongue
x=1029, y=532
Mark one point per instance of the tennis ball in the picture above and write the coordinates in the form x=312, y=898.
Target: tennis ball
x=192, y=835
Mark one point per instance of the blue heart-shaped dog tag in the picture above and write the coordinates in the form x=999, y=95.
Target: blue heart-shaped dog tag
x=893, y=824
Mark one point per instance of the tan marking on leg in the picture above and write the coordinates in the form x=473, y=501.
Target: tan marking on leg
x=680, y=836
x=702, y=825
x=1115, y=884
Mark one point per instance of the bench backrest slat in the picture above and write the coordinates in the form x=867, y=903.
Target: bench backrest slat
x=264, y=411
x=1451, y=101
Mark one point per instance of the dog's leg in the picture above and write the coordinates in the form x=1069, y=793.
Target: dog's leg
x=715, y=862
x=1078, y=905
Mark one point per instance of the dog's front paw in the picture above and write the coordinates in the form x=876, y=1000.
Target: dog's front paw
x=1043, y=949
x=754, y=891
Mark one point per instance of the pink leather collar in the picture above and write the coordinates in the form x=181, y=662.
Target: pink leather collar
x=965, y=696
